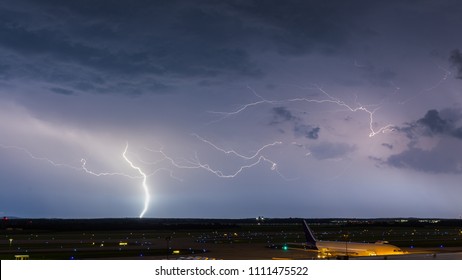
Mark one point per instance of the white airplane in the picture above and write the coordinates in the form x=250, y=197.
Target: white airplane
x=329, y=249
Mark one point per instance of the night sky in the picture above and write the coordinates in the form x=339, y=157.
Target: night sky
x=231, y=108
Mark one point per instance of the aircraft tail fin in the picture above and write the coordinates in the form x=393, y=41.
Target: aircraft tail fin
x=310, y=239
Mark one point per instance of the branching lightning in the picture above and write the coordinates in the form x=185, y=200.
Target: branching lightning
x=244, y=107
x=8, y=147
x=184, y=164
x=330, y=99
x=256, y=159
x=339, y=102
x=257, y=155
x=196, y=163
x=250, y=160
x=443, y=79
x=221, y=174
x=234, y=152
x=87, y=171
x=84, y=168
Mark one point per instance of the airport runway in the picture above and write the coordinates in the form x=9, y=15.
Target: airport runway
x=257, y=251
x=419, y=256
x=227, y=241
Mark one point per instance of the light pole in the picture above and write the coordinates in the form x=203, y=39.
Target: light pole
x=167, y=239
x=346, y=245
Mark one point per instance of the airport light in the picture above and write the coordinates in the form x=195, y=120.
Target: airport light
x=285, y=247
x=167, y=239
x=11, y=241
x=346, y=245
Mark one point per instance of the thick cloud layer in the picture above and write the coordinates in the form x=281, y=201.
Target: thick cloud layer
x=456, y=59
x=328, y=104
x=444, y=154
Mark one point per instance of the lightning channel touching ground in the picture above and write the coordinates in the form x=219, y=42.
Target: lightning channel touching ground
x=84, y=168
x=251, y=161
x=147, y=196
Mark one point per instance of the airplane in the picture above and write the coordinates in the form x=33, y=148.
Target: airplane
x=339, y=249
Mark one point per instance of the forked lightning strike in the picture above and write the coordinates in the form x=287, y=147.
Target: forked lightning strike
x=84, y=168
x=234, y=152
x=221, y=174
x=147, y=196
x=330, y=99
x=255, y=159
x=444, y=78
x=8, y=147
x=339, y=102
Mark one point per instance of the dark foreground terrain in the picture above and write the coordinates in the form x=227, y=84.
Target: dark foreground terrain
x=216, y=238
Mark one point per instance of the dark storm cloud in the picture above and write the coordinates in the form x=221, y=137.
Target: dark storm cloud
x=283, y=115
x=445, y=156
x=389, y=146
x=307, y=131
x=58, y=45
x=328, y=150
x=297, y=27
x=434, y=124
x=456, y=60
x=437, y=160
x=127, y=39
x=447, y=122
x=122, y=39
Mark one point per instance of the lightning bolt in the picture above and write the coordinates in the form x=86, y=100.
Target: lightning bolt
x=196, y=163
x=443, y=79
x=26, y=151
x=147, y=196
x=84, y=168
x=339, y=102
x=234, y=152
x=255, y=159
x=87, y=171
x=257, y=156
x=330, y=99
x=221, y=174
